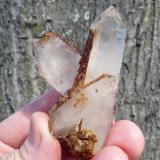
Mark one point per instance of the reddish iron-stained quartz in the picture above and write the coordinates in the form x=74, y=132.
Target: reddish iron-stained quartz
x=83, y=116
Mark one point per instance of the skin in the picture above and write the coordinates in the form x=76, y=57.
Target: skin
x=25, y=136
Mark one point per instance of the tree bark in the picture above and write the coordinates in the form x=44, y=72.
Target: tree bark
x=139, y=88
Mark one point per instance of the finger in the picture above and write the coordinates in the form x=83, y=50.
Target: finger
x=111, y=153
x=126, y=135
x=4, y=149
x=39, y=145
x=13, y=130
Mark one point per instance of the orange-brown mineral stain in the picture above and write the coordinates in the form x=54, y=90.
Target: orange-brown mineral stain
x=81, y=142
x=48, y=35
x=80, y=100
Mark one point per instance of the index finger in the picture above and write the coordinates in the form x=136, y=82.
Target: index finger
x=14, y=129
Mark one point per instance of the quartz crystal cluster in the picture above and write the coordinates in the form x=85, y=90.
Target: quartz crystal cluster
x=84, y=114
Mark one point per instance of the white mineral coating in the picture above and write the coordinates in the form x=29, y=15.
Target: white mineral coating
x=58, y=62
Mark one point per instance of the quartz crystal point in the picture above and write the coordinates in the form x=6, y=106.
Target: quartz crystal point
x=83, y=116
x=58, y=62
x=108, y=45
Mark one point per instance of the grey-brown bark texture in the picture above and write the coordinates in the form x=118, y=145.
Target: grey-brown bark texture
x=139, y=89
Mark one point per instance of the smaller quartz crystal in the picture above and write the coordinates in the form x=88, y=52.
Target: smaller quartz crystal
x=58, y=61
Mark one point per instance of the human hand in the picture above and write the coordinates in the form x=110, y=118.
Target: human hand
x=25, y=136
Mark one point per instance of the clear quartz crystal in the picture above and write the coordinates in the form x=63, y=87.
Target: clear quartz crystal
x=84, y=115
x=58, y=62
x=108, y=45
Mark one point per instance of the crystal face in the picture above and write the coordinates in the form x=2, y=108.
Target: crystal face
x=58, y=62
x=84, y=114
x=109, y=39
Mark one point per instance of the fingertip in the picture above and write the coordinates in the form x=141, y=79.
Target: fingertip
x=39, y=116
x=40, y=121
x=111, y=153
x=128, y=136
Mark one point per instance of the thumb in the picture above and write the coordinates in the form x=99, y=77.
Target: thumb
x=39, y=145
